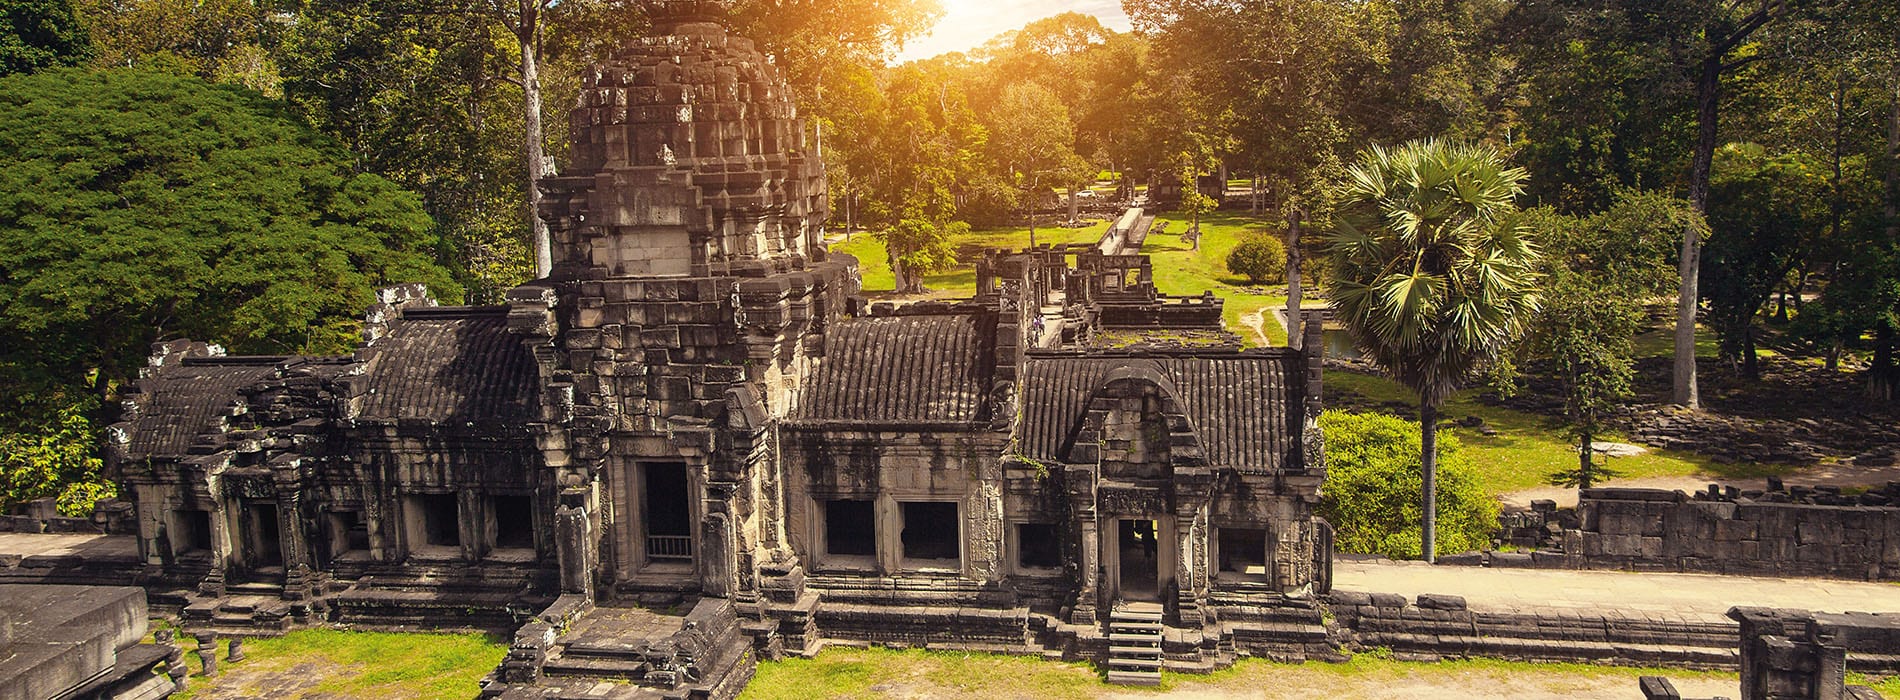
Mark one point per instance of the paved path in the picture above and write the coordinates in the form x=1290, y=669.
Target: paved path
x=14, y=544
x=1691, y=595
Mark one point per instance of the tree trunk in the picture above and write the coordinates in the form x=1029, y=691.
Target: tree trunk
x=1428, y=461
x=1294, y=294
x=1586, y=460
x=1074, y=206
x=1708, y=83
x=526, y=30
x=1751, y=363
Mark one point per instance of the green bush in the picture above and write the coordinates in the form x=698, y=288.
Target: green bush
x=1373, y=488
x=1258, y=258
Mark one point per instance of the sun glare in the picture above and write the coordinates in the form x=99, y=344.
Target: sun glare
x=967, y=24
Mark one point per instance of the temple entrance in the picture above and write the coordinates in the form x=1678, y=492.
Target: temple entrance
x=1140, y=559
x=668, y=514
x=261, y=554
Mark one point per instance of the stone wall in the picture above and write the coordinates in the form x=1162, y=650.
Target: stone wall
x=1732, y=532
x=1434, y=627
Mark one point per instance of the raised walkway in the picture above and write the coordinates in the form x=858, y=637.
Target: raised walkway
x=1701, y=596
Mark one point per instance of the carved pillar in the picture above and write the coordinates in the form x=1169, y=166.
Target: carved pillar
x=1087, y=560
x=574, y=543
x=715, y=556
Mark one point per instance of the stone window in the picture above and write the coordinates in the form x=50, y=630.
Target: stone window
x=349, y=535
x=191, y=531
x=434, y=520
x=1037, y=546
x=850, y=529
x=512, y=518
x=1243, y=552
x=932, y=534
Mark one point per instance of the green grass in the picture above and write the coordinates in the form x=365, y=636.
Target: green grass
x=870, y=673
x=874, y=263
x=1529, y=447
x=338, y=663
x=1181, y=270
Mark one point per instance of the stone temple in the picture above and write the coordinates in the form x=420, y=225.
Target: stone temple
x=695, y=445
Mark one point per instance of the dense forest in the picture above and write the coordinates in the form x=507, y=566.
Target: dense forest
x=287, y=156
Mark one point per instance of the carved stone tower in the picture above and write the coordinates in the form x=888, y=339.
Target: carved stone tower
x=691, y=289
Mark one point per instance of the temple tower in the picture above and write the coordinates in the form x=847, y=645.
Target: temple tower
x=690, y=289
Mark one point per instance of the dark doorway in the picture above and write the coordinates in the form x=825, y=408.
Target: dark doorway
x=931, y=535
x=1038, y=546
x=850, y=529
x=669, y=516
x=349, y=535
x=1140, y=560
x=192, y=531
x=440, y=519
x=1243, y=552
x=514, y=521
x=263, y=547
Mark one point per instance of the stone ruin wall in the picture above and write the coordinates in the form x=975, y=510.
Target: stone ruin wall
x=1733, y=533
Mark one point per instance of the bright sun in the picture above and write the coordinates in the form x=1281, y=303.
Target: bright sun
x=967, y=24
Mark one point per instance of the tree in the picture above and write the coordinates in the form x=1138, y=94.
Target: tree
x=138, y=206
x=1598, y=271
x=1035, y=142
x=1431, y=273
x=1194, y=202
x=1772, y=210
x=918, y=247
x=1258, y=258
x=1372, y=467
x=226, y=41
x=38, y=34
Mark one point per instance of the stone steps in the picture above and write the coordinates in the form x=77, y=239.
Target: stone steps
x=1134, y=654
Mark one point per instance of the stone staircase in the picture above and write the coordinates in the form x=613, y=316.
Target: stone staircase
x=1134, y=644
x=246, y=609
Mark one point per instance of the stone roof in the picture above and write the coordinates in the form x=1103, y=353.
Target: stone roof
x=1239, y=405
x=923, y=368
x=450, y=364
x=181, y=400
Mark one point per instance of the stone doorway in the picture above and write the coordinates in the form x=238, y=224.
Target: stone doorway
x=1138, y=559
x=667, y=515
x=260, y=545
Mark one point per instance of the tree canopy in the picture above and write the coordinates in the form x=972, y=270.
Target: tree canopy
x=137, y=206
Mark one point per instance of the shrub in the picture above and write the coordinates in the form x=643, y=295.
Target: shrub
x=1373, y=488
x=1259, y=259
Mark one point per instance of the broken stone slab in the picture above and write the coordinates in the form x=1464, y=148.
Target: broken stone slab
x=1440, y=601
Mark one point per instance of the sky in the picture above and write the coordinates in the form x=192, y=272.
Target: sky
x=967, y=24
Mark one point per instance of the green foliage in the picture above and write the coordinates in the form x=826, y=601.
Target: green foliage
x=1599, y=270
x=139, y=206
x=1258, y=258
x=1373, y=481
x=54, y=455
x=38, y=34
x=1767, y=212
x=918, y=247
x=1432, y=272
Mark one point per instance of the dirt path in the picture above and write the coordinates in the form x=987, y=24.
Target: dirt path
x=1255, y=321
x=1476, y=683
x=1829, y=474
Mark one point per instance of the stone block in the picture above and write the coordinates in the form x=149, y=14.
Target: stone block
x=1388, y=600
x=1349, y=598
x=1734, y=530
x=1438, y=601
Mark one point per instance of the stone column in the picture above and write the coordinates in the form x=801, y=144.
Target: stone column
x=574, y=544
x=208, y=652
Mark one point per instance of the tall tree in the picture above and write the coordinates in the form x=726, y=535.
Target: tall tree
x=1432, y=274
x=37, y=34
x=1034, y=141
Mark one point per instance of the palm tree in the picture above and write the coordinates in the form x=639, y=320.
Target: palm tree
x=1434, y=272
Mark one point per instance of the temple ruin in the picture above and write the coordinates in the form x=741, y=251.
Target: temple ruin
x=695, y=444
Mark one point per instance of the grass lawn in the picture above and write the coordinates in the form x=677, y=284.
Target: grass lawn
x=337, y=663
x=1178, y=269
x=870, y=673
x=1529, y=447
x=874, y=263
x=1181, y=270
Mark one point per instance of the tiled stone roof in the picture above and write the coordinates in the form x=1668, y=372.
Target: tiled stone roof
x=925, y=368
x=1238, y=405
x=182, y=400
x=451, y=365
